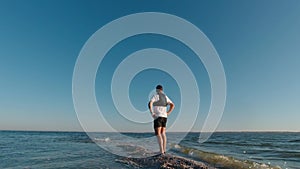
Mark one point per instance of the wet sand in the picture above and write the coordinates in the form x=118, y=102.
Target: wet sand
x=167, y=161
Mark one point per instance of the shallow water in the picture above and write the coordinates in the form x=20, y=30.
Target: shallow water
x=275, y=148
x=24, y=149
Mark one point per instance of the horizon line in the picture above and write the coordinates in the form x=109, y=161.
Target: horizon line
x=218, y=131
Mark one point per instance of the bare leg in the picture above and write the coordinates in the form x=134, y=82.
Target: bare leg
x=164, y=139
x=159, y=139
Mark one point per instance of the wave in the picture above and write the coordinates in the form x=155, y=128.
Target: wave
x=220, y=161
x=295, y=141
x=107, y=139
x=290, y=154
x=242, y=144
x=125, y=148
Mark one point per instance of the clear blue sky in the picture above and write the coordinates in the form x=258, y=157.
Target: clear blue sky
x=258, y=43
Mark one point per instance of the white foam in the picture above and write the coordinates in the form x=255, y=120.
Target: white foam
x=177, y=146
x=107, y=139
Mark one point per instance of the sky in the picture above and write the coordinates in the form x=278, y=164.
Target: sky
x=257, y=42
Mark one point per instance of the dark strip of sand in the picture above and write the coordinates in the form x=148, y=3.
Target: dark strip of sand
x=167, y=161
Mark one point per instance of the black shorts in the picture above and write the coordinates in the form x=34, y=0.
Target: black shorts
x=160, y=122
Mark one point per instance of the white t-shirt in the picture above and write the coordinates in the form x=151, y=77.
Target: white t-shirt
x=160, y=111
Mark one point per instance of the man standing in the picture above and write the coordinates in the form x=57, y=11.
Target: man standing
x=158, y=109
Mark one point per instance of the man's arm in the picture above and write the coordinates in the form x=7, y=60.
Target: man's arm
x=150, y=106
x=172, y=106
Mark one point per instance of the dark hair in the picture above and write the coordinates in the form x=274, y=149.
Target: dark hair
x=159, y=87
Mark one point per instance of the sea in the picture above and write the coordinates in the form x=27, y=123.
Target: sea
x=51, y=150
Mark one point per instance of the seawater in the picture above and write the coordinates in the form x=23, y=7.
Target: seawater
x=32, y=149
x=274, y=148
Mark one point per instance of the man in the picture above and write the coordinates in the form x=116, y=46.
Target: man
x=158, y=109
